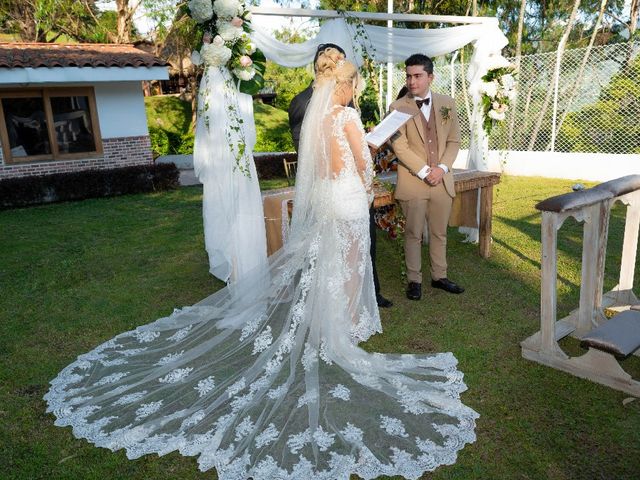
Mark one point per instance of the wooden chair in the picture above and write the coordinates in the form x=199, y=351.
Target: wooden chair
x=290, y=167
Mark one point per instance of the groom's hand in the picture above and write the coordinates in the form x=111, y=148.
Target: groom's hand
x=435, y=176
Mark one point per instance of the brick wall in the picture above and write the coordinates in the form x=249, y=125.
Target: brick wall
x=117, y=152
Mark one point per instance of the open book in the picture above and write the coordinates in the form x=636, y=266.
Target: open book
x=386, y=128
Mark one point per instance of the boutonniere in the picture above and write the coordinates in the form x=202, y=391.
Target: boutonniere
x=445, y=113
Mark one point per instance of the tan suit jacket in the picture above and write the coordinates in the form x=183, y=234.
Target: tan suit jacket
x=409, y=145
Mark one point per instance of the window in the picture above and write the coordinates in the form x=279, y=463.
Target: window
x=48, y=124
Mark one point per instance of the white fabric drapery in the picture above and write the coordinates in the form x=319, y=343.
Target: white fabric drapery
x=234, y=230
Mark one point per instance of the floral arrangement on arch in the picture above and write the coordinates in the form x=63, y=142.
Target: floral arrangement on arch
x=225, y=26
x=498, y=89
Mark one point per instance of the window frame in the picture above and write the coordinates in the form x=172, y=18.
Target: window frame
x=46, y=94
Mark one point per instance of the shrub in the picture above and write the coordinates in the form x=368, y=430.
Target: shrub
x=60, y=187
x=273, y=141
x=186, y=143
x=270, y=165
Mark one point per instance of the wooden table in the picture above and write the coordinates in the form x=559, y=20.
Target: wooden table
x=463, y=212
x=467, y=183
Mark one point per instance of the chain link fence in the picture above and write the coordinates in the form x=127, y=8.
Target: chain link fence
x=598, y=101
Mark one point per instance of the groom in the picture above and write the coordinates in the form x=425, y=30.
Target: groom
x=426, y=147
x=297, y=109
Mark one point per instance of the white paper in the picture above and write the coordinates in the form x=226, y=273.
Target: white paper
x=387, y=127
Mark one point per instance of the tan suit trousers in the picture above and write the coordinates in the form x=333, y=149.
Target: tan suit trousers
x=434, y=211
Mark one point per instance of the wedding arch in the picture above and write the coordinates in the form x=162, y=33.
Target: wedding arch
x=232, y=208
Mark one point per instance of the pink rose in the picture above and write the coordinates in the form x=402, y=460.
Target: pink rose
x=206, y=38
x=245, y=61
x=237, y=22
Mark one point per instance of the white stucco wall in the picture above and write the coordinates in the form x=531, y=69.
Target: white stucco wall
x=597, y=167
x=121, y=109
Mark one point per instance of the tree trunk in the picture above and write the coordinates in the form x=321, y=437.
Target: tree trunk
x=585, y=58
x=512, y=120
x=193, y=82
x=556, y=74
x=633, y=17
x=124, y=20
x=465, y=89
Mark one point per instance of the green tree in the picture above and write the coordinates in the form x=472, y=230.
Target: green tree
x=49, y=20
x=611, y=124
x=287, y=82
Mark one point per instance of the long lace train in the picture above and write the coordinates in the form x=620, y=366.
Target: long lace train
x=265, y=380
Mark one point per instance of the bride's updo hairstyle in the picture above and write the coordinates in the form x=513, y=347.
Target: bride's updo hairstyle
x=333, y=65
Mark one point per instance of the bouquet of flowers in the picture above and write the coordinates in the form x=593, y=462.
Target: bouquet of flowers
x=225, y=26
x=498, y=88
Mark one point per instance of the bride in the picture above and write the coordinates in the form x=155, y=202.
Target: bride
x=267, y=381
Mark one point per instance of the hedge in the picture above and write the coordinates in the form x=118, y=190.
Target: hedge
x=60, y=187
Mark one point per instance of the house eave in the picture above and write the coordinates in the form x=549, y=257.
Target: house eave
x=43, y=75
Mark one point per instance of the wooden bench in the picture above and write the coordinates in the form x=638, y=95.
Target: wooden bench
x=606, y=339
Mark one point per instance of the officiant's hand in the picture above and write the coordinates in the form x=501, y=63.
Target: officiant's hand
x=434, y=177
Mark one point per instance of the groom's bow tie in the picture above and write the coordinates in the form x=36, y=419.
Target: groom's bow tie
x=419, y=103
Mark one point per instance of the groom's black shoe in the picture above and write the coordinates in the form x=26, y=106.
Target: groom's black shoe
x=414, y=291
x=447, y=285
x=383, y=302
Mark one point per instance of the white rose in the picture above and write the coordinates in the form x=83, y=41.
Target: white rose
x=245, y=74
x=508, y=81
x=249, y=48
x=201, y=10
x=215, y=55
x=497, y=61
x=228, y=32
x=489, y=88
x=511, y=94
x=227, y=8
x=496, y=115
x=196, y=58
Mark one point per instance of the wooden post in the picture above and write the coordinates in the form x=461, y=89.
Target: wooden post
x=549, y=277
x=594, y=247
x=630, y=245
x=486, y=200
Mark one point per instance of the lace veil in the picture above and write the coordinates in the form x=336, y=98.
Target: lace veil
x=268, y=382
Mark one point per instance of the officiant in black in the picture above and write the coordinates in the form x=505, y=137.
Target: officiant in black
x=297, y=109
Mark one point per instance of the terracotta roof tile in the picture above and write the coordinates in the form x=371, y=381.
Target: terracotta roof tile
x=33, y=55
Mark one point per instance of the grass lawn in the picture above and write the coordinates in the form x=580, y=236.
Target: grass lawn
x=73, y=275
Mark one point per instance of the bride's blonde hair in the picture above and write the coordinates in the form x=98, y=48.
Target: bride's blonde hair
x=332, y=65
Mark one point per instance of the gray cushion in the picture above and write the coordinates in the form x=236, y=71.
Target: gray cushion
x=572, y=200
x=621, y=185
x=620, y=335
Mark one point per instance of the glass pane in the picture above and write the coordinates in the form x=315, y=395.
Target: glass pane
x=72, y=123
x=26, y=126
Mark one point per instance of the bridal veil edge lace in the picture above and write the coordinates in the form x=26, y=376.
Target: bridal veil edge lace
x=265, y=380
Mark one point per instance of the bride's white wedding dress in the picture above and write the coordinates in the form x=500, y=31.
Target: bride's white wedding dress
x=266, y=381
